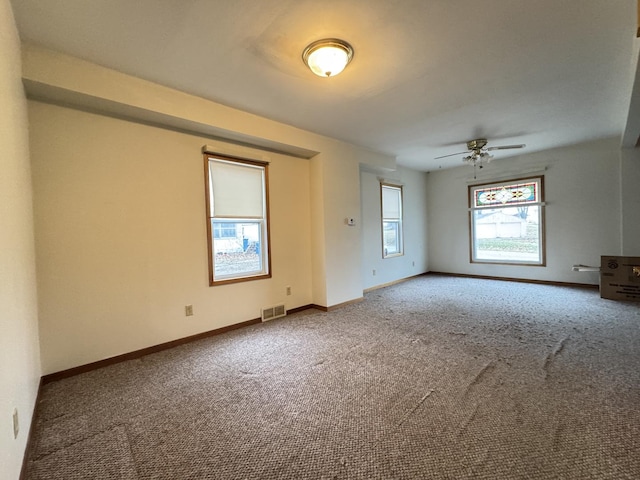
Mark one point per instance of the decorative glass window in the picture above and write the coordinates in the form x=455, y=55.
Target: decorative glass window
x=507, y=222
x=391, y=220
x=237, y=219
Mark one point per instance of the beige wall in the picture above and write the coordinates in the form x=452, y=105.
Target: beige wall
x=121, y=241
x=19, y=350
x=121, y=236
x=318, y=252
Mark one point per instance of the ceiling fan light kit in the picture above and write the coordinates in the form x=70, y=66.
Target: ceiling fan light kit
x=328, y=57
x=478, y=158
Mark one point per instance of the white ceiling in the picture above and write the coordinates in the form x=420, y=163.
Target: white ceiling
x=427, y=75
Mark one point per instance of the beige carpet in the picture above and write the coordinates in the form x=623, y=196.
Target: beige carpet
x=439, y=378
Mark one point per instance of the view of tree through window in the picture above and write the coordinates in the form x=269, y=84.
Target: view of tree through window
x=507, y=222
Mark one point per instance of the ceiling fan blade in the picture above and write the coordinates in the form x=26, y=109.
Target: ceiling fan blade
x=452, y=154
x=506, y=147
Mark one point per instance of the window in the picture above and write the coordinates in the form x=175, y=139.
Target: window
x=391, y=220
x=507, y=222
x=224, y=230
x=237, y=219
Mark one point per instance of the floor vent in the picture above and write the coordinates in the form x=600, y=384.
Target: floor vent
x=269, y=313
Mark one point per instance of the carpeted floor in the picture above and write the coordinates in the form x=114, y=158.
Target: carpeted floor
x=435, y=378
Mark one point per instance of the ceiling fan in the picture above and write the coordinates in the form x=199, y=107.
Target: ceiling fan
x=478, y=152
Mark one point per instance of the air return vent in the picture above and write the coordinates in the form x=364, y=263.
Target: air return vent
x=269, y=313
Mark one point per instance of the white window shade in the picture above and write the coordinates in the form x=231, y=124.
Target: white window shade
x=391, y=202
x=236, y=189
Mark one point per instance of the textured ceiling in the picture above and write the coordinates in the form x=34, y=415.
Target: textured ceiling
x=427, y=75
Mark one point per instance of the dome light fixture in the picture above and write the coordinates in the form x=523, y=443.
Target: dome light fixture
x=328, y=57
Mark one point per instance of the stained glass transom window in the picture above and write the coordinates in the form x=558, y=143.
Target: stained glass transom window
x=521, y=193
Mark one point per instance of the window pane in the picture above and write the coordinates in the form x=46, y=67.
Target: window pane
x=224, y=230
x=391, y=238
x=509, y=234
x=240, y=254
x=519, y=193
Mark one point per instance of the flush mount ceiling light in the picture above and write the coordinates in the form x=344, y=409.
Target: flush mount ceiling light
x=328, y=57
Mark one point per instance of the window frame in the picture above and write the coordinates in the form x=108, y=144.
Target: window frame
x=540, y=203
x=397, y=220
x=265, y=252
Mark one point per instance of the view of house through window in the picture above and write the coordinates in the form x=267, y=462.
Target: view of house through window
x=507, y=222
x=237, y=220
x=391, y=220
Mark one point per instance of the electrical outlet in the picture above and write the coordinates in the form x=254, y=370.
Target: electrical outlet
x=413, y=264
x=374, y=272
x=188, y=310
x=16, y=423
x=288, y=290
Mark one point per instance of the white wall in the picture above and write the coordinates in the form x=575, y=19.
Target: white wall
x=583, y=213
x=415, y=258
x=19, y=354
x=630, y=201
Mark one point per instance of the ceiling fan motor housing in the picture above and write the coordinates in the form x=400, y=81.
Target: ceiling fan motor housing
x=477, y=144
